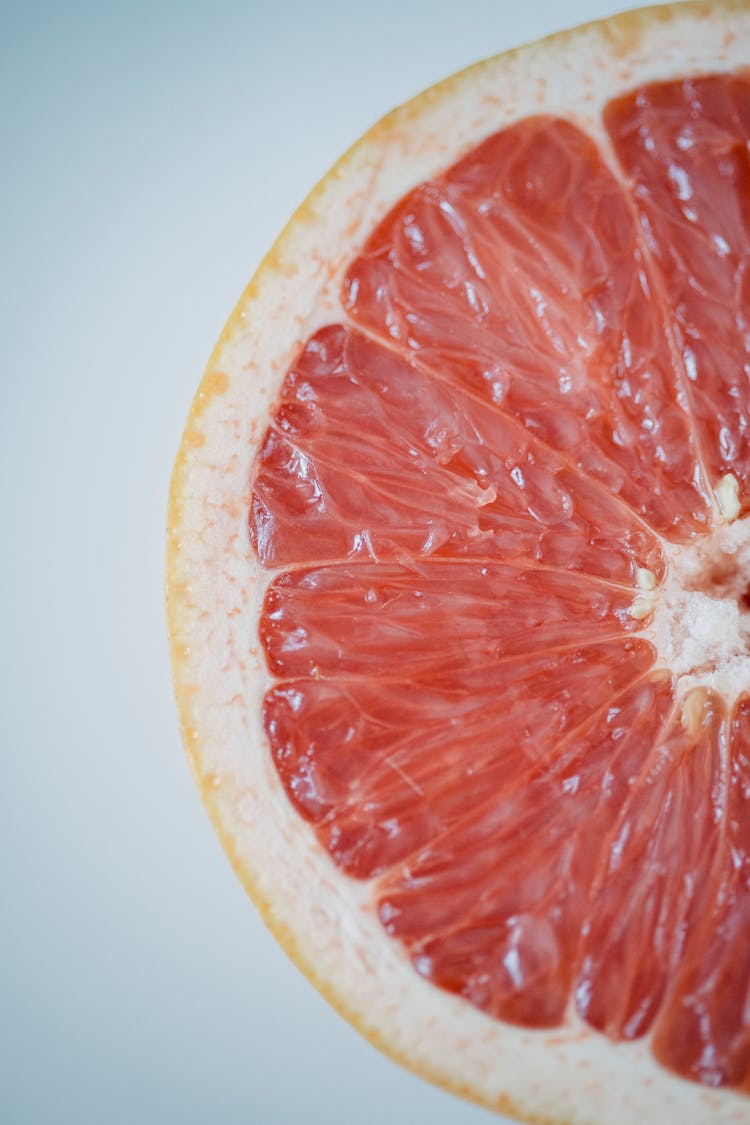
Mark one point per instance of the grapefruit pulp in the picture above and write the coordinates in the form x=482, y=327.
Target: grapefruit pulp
x=458, y=577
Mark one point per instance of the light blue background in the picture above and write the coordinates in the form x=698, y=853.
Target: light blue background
x=150, y=155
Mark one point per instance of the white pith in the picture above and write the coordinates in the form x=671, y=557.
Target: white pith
x=701, y=623
x=216, y=589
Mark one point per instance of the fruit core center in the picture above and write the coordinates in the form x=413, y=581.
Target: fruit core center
x=701, y=618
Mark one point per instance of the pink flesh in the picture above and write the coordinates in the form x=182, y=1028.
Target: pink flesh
x=685, y=147
x=544, y=369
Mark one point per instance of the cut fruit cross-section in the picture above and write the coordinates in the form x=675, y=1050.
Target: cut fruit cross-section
x=459, y=578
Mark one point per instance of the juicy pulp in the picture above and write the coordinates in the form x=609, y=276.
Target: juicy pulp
x=539, y=383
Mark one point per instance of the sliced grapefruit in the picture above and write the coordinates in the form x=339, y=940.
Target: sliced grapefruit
x=459, y=577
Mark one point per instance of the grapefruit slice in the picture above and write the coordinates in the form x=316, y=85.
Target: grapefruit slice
x=459, y=577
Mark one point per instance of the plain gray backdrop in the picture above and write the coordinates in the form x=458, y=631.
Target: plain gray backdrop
x=151, y=153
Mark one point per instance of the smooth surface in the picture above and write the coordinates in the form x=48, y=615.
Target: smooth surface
x=151, y=157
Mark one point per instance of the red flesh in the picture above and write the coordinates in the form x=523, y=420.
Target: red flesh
x=544, y=367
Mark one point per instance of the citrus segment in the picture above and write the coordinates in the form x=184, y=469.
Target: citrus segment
x=704, y=1030
x=438, y=621
x=496, y=908
x=372, y=456
x=685, y=147
x=385, y=767
x=655, y=882
x=521, y=272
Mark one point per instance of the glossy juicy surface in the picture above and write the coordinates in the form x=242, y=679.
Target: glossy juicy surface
x=540, y=378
